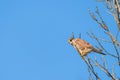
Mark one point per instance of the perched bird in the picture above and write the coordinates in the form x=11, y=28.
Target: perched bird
x=82, y=46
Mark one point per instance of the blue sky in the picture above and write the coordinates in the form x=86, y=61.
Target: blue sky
x=33, y=38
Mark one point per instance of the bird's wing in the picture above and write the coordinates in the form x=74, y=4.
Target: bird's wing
x=83, y=44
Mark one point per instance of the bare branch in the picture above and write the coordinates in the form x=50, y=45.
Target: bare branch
x=116, y=15
x=91, y=68
x=104, y=62
x=90, y=75
x=113, y=72
x=104, y=26
x=115, y=43
x=93, y=36
x=104, y=69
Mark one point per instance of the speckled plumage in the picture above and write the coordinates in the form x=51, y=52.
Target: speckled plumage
x=83, y=47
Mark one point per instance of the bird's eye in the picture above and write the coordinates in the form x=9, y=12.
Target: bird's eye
x=70, y=39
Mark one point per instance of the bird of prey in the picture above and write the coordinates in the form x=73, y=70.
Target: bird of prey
x=82, y=46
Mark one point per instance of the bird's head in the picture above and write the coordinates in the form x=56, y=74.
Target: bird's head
x=70, y=40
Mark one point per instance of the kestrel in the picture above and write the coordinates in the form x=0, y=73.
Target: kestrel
x=83, y=47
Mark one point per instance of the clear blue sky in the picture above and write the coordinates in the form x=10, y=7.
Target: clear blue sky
x=33, y=39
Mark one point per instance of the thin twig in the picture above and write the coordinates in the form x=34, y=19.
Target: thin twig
x=91, y=68
x=113, y=72
x=115, y=42
x=104, y=70
x=90, y=75
x=104, y=26
x=93, y=36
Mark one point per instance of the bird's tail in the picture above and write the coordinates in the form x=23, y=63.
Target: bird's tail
x=98, y=51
